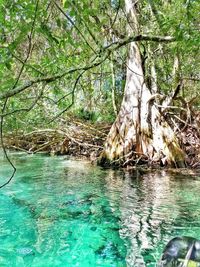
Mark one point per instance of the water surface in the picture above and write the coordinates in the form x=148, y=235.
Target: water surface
x=66, y=213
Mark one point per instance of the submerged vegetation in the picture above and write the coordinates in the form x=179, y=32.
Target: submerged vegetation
x=71, y=69
x=60, y=212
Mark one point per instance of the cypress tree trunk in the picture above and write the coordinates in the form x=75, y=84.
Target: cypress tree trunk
x=139, y=130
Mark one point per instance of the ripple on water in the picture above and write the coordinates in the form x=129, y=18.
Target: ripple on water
x=60, y=212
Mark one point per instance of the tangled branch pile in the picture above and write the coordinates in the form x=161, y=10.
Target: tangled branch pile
x=83, y=139
x=189, y=136
x=72, y=137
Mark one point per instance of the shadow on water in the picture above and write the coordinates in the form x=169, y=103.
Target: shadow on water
x=60, y=212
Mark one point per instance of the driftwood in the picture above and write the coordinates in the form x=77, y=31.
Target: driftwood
x=73, y=137
x=83, y=139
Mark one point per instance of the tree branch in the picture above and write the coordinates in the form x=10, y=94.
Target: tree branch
x=4, y=149
x=47, y=79
x=137, y=38
x=27, y=109
x=72, y=23
x=75, y=84
x=191, y=79
x=7, y=98
x=27, y=65
x=107, y=50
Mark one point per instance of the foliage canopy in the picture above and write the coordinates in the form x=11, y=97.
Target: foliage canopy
x=60, y=54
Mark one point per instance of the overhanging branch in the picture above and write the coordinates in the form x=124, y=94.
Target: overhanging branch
x=105, y=50
x=47, y=79
x=137, y=38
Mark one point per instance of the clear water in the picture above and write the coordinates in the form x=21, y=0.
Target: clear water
x=66, y=213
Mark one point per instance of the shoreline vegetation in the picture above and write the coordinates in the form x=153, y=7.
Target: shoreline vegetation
x=73, y=137
x=85, y=139
x=70, y=70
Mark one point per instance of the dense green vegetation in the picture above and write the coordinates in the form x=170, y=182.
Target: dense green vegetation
x=71, y=56
x=60, y=44
x=113, y=80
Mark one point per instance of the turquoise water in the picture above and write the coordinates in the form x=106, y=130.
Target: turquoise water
x=66, y=213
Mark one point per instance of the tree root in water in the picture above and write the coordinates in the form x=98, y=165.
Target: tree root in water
x=83, y=139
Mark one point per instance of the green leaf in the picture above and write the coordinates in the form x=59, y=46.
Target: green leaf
x=63, y=2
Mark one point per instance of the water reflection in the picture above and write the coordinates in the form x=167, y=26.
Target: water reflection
x=154, y=207
x=60, y=212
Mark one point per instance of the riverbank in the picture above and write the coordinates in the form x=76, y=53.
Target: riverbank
x=75, y=137
x=82, y=138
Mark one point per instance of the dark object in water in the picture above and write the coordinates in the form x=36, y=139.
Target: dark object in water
x=181, y=252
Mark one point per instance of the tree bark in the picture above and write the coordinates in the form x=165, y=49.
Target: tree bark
x=113, y=86
x=139, y=131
